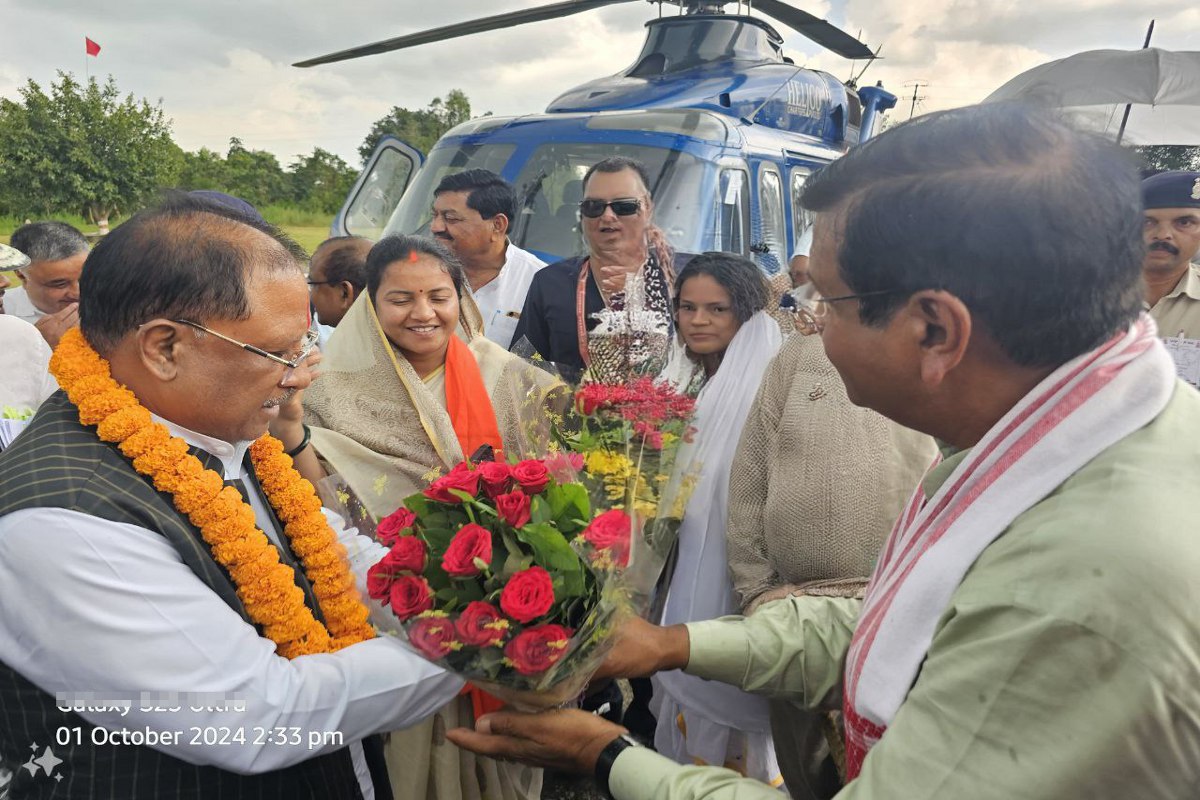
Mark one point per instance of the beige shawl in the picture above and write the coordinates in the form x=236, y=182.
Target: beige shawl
x=387, y=433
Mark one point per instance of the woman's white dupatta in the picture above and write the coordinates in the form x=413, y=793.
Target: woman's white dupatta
x=700, y=587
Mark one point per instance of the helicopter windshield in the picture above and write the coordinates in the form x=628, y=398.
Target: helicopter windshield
x=413, y=214
x=550, y=186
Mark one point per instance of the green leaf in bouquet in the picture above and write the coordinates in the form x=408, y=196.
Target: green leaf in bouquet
x=460, y=591
x=438, y=537
x=419, y=504
x=550, y=548
x=515, y=562
x=569, y=507
x=540, y=511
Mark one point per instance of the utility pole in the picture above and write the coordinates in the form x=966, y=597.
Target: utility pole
x=917, y=86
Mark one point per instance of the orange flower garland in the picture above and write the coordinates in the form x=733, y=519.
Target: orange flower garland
x=266, y=587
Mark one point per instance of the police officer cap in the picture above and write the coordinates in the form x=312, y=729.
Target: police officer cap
x=1171, y=190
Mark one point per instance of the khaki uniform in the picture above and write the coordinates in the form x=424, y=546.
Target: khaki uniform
x=1178, y=313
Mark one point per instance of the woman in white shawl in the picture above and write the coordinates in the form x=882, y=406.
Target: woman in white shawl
x=726, y=341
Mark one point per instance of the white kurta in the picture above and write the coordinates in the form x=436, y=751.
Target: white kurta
x=501, y=299
x=18, y=304
x=25, y=380
x=90, y=605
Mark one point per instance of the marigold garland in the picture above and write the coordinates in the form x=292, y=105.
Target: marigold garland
x=265, y=586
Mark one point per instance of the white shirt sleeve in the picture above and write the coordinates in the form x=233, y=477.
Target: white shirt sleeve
x=107, y=609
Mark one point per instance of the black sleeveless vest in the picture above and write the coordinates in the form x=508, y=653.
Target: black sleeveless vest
x=58, y=463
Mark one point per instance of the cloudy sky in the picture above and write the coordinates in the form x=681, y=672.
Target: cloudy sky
x=222, y=67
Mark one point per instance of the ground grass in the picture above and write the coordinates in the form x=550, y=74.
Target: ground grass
x=306, y=227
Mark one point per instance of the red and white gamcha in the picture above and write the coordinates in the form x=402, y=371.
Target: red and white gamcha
x=1081, y=409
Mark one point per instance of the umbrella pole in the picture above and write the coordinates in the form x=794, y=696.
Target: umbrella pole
x=1129, y=106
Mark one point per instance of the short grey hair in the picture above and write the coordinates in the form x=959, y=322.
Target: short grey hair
x=49, y=241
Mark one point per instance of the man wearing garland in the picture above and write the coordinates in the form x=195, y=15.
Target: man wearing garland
x=177, y=615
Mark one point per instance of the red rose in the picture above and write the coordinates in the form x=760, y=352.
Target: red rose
x=406, y=556
x=393, y=526
x=495, y=477
x=380, y=578
x=462, y=477
x=433, y=636
x=537, y=649
x=411, y=596
x=610, y=531
x=531, y=475
x=480, y=625
x=528, y=594
x=514, y=508
x=470, y=543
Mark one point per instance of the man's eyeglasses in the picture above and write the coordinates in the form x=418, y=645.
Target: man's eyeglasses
x=811, y=312
x=307, y=344
x=623, y=207
x=322, y=283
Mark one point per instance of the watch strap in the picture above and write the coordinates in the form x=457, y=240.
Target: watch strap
x=608, y=756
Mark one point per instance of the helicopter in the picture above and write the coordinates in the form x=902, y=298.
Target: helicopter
x=729, y=129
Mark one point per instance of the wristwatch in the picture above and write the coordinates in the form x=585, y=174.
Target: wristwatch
x=604, y=763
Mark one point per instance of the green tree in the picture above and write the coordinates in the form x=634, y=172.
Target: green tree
x=203, y=169
x=82, y=148
x=421, y=128
x=1170, y=157
x=320, y=181
x=255, y=175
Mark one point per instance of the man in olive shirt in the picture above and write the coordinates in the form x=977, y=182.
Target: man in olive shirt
x=1172, y=230
x=1062, y=661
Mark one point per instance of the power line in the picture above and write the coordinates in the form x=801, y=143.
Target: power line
x=917, y=86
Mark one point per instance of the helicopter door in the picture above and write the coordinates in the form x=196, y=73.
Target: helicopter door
x=378, y=189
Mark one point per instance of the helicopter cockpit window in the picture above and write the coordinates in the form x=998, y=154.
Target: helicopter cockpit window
x=373, y=204
x=413, y=214
x=550, y=187
x=774, y=231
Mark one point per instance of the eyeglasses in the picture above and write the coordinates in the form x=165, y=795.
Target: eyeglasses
x=307, y=344
x=810, y=312
x=322, y=283
x=623, y=207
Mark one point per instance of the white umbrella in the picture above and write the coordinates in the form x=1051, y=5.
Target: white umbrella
x=1095, y=86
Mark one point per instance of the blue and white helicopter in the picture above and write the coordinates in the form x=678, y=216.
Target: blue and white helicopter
x=728, y=127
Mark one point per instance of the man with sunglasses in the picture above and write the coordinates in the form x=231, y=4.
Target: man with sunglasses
x=621, y=239
x=128, y=638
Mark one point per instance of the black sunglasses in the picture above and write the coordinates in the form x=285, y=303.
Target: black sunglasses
x=625, y=207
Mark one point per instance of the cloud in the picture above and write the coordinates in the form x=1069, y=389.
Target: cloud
x=222, y=67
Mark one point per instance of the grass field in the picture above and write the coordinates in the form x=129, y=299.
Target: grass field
x=307, y=228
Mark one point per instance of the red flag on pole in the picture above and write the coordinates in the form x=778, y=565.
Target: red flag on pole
x=93, y=49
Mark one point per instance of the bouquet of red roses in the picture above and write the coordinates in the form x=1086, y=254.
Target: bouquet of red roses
x=503, y=574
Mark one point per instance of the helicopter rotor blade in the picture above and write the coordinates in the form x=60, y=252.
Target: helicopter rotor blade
x=496, y=22
x=823, y=33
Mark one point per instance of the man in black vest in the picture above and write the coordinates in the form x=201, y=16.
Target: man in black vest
x=129, y=666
